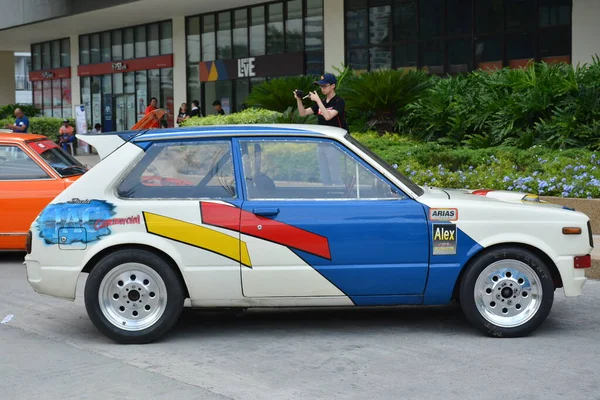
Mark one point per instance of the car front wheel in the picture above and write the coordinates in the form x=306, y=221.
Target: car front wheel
x=133, y=296
x=507, y=292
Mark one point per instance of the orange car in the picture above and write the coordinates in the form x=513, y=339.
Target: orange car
x=33, y=171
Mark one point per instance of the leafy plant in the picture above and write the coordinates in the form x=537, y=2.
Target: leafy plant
x=8, y=110
x=383, y=95
x=248, y=116
x=278, y=94
x=292, y=116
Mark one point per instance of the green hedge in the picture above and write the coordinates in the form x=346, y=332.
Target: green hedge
x=563, y=173
x=46, y=126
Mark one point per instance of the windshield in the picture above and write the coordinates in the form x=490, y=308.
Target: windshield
x=63, y=163
x=418, y=190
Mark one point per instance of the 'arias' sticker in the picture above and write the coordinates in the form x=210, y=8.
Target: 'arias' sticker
x=444, y=239
x=443, y=214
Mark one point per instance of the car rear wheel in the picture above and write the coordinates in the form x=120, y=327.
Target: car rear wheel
x=507, y=292
x=133, y=296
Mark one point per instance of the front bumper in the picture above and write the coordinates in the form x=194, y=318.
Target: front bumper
x=55, y=281
x=573, y=279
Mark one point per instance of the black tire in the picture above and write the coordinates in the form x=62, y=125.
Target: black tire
x=174, y=296
x=468, y=296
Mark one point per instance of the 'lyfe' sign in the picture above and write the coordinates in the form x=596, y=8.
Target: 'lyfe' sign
x=246, y=67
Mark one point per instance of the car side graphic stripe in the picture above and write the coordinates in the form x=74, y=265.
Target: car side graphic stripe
x=199, y=236
x=265, y=228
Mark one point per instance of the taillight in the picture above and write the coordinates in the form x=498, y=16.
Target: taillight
x=582, y=262
x=28, y=242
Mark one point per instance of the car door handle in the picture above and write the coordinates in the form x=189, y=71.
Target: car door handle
x=266, y=211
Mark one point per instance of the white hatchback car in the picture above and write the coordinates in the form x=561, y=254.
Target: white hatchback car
x=292, y=216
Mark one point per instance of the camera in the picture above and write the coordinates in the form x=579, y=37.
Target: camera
x=299, y=93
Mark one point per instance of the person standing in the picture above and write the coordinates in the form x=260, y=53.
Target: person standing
x=21, y=124
x=183, y=113
x=218, y=107
x=195, y=109
x=331, y=110
x=151, y=108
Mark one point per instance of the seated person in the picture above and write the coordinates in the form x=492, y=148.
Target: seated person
x=66, y=134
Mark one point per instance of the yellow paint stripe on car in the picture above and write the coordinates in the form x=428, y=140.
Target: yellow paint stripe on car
x=198, y=236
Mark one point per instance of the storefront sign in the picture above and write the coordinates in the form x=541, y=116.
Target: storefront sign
x=139, y=64
x=49, y=74
x=263, y=66
x=119, y=66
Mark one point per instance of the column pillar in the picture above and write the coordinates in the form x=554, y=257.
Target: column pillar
x=333, y=25
x=179, y=64
x=7, y=77
x=585, y=32
x=75, y=83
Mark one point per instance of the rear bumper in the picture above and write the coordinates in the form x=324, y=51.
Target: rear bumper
x=52, y=281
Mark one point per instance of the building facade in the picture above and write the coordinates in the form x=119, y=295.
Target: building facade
x=114, y=56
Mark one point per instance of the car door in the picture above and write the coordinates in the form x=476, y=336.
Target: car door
x=25, y=189
x=318, y=221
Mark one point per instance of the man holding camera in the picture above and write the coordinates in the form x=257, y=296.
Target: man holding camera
x=330, y=111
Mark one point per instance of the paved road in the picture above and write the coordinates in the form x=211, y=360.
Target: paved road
x=50, y=350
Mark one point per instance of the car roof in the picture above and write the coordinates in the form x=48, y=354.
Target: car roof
x=230, y=130
x=20, y=137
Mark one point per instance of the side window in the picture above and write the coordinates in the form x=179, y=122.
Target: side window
x=202, y=169
x=308, y=169
x=16, y=165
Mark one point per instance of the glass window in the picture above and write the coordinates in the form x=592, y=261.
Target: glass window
x=17, y=165
x=117, y=46
x=95, y=48
x=166, y=91
x=520, y=46
x=106, y=48
x=554, y=12
x=356, y=28
x=117, y=83
x=405, y=55
x=193, y=84
x=55, y=53
x=489, y=50
x=67, y=111
x=47, y=85
x=208, y=38
x=56, y=98
x=405, y=20
x=240, y=33
x=293, y=27
x=84, y=49
x=432, y=56
x=358, y=59
x=154, y=86
x=459, y=17
x=153, y=40
x=379, y=23
x=96, y=100
x=315, y=64
x=129, y=82
x=431, y=18
x=313, y=25
x=198, y=169
x=520, y=15
x=224, y=36
x=46, y=59
x=380, y=58
x=307, y=169
x=193, y=40
x=242, y=89
x=36, y=56
x=257, y=31
x=489, y=16
x=141, y=95
x=38, y=95
x=140, y=41
x=275, y=44
x=65, y=53
x=86, y=97
x=128, y=52
x=166, y=37
x=224, y=93
x=459, y=55
x=554, y=42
